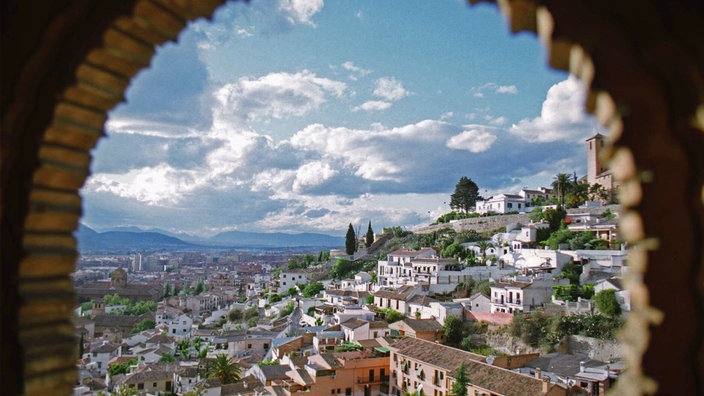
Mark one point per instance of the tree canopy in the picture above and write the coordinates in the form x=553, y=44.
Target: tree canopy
x=459, y=386
x=453, y=330
x=465, y=195
x=607, y=303
x=224, y=369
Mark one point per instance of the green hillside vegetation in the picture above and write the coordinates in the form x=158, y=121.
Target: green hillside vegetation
x=540, y=330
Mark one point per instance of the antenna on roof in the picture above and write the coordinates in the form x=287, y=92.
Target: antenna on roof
x=490, y=359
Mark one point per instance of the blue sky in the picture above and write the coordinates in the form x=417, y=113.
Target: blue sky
x=308, y=115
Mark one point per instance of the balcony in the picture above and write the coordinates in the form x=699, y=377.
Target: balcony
x=373, y=380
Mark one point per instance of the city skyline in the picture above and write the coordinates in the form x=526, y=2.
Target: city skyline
x=324, y=114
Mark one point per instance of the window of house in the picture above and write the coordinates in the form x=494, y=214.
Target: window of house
x=509, y=205
x=348, y=391
x=332, y=391
x=249, y=346
x=140, y=385
x=266, y=346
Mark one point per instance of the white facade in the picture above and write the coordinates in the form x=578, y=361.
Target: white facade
x=289, y=279
x=503, y=203
x=522, y=296
x=101, y=353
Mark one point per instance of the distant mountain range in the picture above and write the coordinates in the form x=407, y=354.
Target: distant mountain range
x=135, y=239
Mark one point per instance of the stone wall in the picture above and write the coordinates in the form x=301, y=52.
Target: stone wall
x=508, y=344
x=603, y=350
x=482, y=224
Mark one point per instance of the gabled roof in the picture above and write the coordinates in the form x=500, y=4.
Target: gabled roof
x=160, y=339
x=274, y=372
x=354, y=323
x=491, y=378
x=402, y=293
x=421, y=300
x=378, y=324
x=418, y=325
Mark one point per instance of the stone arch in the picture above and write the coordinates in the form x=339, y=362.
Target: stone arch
x=643, y=62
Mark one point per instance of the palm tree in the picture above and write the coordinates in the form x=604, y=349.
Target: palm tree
x=483, y=245
x=559, y=184
x=167, y=357
x=224, y=369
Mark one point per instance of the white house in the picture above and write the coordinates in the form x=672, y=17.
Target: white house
x=397, y=269
x=476, y=303
x=180, y=326
x=358, y=329
x=291, y=278
x=513, y=296
x=503, y=203
x=101, y=352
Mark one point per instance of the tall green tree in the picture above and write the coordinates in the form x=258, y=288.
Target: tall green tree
x=350, y=240
x=167, y=289
x=224, y=369
x=453, y=330
x=200, y=286
x=459, y=386
x=370, y=235
x=465, y=195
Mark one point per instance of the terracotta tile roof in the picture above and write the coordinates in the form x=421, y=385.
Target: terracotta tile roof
x=354, y=323
x=378, y=324
x=417, y=325
x=433, y=353
x=402, y=293
x=520, y=285
x=491, y=378
x=421, y=300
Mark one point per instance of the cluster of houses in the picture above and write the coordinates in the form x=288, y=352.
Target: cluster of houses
x=337, y=343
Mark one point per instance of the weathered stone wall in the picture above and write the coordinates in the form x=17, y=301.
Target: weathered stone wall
x=603, y=350
x=508, y=344
x=481, y=224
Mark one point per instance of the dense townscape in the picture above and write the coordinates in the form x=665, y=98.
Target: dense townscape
x=515, y=294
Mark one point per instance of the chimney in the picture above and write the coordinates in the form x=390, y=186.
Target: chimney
x=582, y=365
x=546, y=385
x=538, y=373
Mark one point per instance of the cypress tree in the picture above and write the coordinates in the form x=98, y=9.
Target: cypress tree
x=370, y=235
x=350, y=240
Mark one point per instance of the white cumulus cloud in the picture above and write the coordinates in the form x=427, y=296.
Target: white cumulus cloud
x=372, y=105
x=475, y=139
x=562, y=116
x=276, y=95
x=507, y=89
x=356, y=70
x=301, y=11
x=390, y=89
